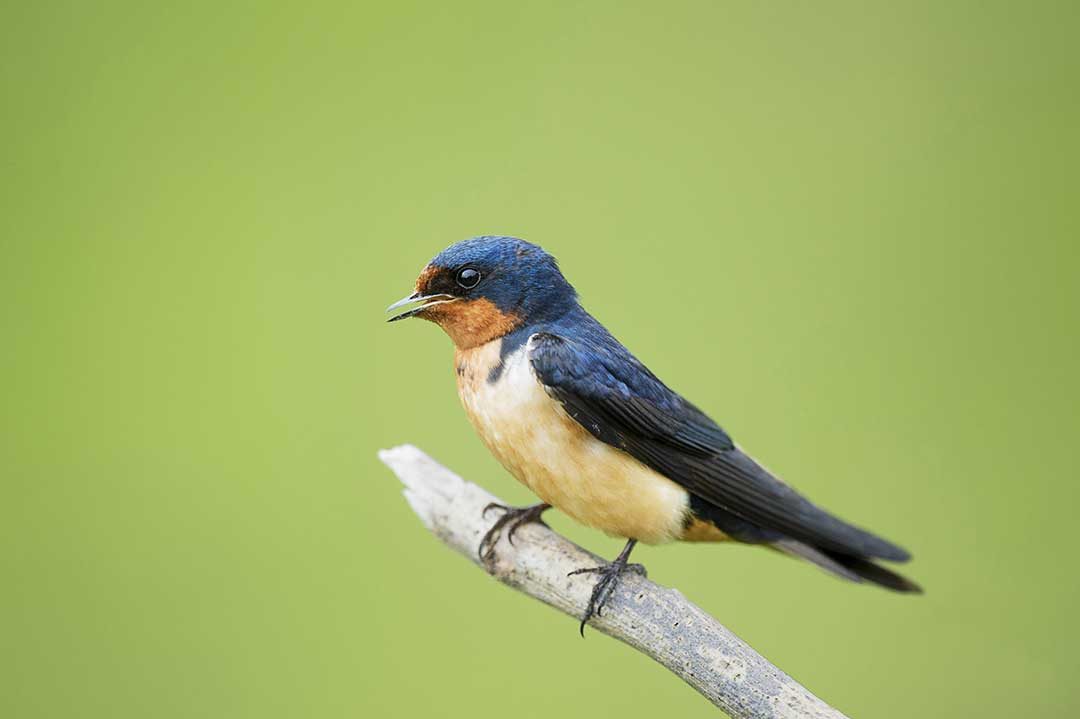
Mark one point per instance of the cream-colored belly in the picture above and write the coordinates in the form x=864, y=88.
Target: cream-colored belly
x=564, y=465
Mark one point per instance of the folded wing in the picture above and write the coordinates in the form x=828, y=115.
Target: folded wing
x=617, y=399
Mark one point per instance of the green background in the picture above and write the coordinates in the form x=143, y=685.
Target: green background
x=846, y=230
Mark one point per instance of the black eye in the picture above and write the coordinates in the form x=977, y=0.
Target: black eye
x=468, y=278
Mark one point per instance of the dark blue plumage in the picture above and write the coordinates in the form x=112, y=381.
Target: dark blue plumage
x=519, y=277
x=615, y=398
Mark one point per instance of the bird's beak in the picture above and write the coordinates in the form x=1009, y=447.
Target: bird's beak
x=425, y=301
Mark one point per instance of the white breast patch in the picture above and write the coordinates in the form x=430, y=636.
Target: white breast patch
x=544, y=448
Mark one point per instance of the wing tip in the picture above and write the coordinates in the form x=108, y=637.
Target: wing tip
x=852, y=568
x=891, y=552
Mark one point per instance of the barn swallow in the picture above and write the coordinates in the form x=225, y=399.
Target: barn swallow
x=579, y=420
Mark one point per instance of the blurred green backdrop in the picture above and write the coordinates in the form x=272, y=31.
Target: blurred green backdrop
x=858, y=222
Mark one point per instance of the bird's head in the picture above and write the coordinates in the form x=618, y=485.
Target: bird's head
x=481, y=289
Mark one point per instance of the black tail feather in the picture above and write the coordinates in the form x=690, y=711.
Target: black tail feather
x=845, y=566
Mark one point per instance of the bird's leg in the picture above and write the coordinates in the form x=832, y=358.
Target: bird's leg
x=609, y=579
x=512, y=517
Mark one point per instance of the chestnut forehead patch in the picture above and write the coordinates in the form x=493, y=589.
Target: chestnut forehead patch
x=428, y=274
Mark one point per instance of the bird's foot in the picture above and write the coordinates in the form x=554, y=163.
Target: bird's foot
x=511, y=520
x=608, y=580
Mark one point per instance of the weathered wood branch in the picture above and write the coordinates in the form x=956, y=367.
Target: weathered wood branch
x=655, y=620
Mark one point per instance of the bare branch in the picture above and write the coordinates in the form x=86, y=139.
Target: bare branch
x=655, y=620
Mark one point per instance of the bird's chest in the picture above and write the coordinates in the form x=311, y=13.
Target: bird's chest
x=543, y=447
x=523, y=427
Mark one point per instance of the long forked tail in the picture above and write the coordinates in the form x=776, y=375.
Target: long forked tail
x=845, y=566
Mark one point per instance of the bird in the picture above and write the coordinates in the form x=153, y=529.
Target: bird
x=572, y=414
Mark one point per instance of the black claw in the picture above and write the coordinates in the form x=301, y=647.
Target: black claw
x=491, y=506
x=531, y=516
x=605, y=585
x=515, y=517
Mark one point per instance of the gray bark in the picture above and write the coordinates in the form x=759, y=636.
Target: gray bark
x=655, y=620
